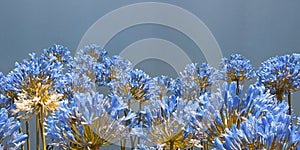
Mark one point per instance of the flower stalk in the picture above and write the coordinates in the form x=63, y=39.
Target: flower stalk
x=42, y=127
x=28, y=134
x=37, y=136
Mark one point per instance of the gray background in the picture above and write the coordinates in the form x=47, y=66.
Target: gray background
x=256, y=29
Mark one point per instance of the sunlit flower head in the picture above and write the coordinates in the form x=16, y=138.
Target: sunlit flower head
x=237, y=68
x=87, y=58
x=58, y=53
x=10, y=137
x=113, y=69
x=90, y=121
x=166, y=124
x=4, y=101
x=280, y=74
x=84, y=65
x=196, y=80
x=135, y=87
x=229, y=109
x=32, y=85
x=162, y=87
x=270, y=130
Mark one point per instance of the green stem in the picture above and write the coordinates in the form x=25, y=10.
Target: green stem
x=205, y=145
x=28, y=133
x=43, y=129
x=140, y=118
x=171, y=145
x=123, y=144
x=37, y=136
x=237, y=87
x=20, y=130
x=290, y=103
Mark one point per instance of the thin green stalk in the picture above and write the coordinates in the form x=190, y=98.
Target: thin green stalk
x=37, y=131
x=140, y=118
x=28, y=133
x=290, y=103
x=171, y=145
x=42, y=127
x=237, y=87
x=205, y=145
x=123, y=143
x=20, y=130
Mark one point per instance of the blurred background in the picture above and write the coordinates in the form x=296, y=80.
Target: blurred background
x=256, y=29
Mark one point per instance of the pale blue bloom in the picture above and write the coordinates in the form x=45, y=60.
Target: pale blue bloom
x=280, y=74
x=83, y=72
x=271, y=130
x=133, y=88
x=196, y=80
x=10, y=137
x=59, y=53
x=162, y=87
x=225, y=109
x=112, y=69
x=88, y=116
x=237, y=68
x=167, y=120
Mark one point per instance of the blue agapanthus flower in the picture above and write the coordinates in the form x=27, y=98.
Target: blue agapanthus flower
x=113, y=69
x=10, y=137
x=132, y=91
x=237, y=68
x=86, y=60
x=280, y=74
x=94, y=51
x=270, y=130
x=196, y=80
x=162, y=87
x=58, y=53
x=228, y=109
x=166, y=123
x=133, y=88
x=89, y=121
x=35, y=83
x=5, y=102
x=83, y=72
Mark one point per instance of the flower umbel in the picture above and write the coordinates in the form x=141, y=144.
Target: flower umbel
x=237, y=68
x=166, y=124
x=280, y=74
x=271, y=130
x=90, y=121
x=196, y=80
x=34, y=85
x=10, y=137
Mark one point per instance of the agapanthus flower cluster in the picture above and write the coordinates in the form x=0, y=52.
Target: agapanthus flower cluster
x=10, y=136
x=270, y=130
x=133, y=88
x=32, y=85
x=89, y=121
x=229, y=109
x=280, y=74
x=166, y=123
x=60, y=53
x=83, y=74
x=196, y=80
x=113, y=69
x=237, y=69
x=162, y=87
x=4, y=101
